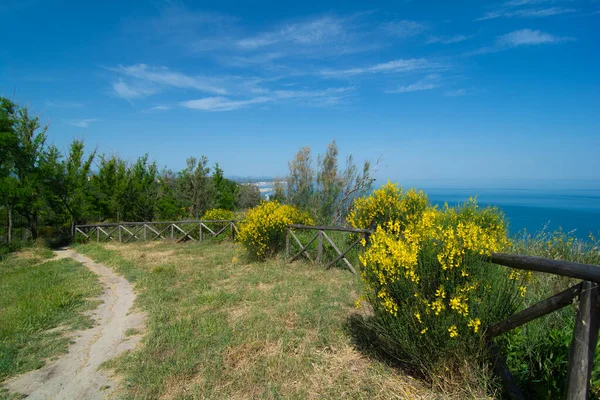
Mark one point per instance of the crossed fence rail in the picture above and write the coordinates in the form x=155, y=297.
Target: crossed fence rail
x=587, y=292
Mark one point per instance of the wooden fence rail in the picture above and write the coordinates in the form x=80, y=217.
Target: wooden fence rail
x=179, y=231
x=319, y=236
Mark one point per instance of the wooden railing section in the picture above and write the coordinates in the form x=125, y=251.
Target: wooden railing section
x=585, y=333
x=179, y=231
x=319, y=236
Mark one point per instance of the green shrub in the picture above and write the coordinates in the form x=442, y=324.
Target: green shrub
x=427, y=278
x=262, y=231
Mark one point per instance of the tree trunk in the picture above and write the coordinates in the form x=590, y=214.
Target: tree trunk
x=33, y=226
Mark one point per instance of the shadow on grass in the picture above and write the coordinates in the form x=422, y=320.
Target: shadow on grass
x=366, y=340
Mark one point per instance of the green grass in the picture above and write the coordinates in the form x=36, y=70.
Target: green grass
x=219, y=328
x=38, y=295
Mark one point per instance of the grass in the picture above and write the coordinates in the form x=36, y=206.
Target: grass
x=40, y=300
x=221, y=327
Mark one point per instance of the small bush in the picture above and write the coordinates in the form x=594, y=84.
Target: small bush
x=262, y=231
x=217, y=214
x=426, y=276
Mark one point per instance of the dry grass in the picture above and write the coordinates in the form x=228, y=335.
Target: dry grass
x=221, y=327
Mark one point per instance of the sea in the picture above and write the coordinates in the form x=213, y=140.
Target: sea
x=528, y=206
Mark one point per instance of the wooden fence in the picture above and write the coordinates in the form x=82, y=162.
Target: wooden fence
x=320, y=235
x=585, y=333
x=587, y=321
x=179, y=231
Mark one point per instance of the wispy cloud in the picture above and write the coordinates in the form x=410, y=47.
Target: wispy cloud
x=428, y=83
x=163, y=76
x=64, y=104
x=404, y=28
x=526, y=13
x=456, y=93
x=448, y=39
x=520, y=38
x=129, y=92
x=222, y=103
x=329, y=96
x=394, y=66
x=528, y=37
x=81, y=123
x=315, y=32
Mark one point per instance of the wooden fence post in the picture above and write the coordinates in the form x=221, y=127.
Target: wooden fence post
x=287, y=243
x=145, y=232
x=200, y=232
x=232, y=230
x=172, y=231
x=119, y=234
x=98, y=235
x=320, y=247
x=583, y=344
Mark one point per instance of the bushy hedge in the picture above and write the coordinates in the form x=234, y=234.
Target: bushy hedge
x=427, y=278
x=262, y=231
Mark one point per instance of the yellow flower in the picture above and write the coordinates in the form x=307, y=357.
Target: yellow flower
x=522, y=290
x=418, y=317
x=474, y=323
x=453, y=331
x=424, y=330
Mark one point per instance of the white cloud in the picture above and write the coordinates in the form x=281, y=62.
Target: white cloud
x=81, y=123
x=404, y=28
x=165, y=77
x=395, y=66
x=456, y=93
x=319, y=31
x=428, y=83
x=448, y=39
x=220, y=103
x=528, y=37
x=323, y=97
x=128, y=92
x=520, y=38
x=526, y=13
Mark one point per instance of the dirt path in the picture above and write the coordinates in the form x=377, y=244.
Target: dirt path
x=75, y=375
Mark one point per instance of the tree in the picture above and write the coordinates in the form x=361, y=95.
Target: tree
x=142, y=190
x=29, y=156
x=300, y=180
x=328, y=193
x=168, y=207
x=225, y=189
x=8, y=148
x=248, y=196
x=110, y=188
x=68, y=181
x=195, y=189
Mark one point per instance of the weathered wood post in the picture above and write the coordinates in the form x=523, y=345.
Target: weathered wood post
x=172, y=231
x=119, y=234
x=232, y=230
x=200, y=232
x=320, y=247
x=98, y=234
x=287, y=243
x=145, y=232
x=583, y=344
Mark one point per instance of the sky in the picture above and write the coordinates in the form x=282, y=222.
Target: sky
x=436, y=90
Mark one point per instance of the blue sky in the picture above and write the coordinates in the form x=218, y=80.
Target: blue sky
x=461, y=91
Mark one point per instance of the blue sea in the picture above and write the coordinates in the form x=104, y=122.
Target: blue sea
x=575, y=210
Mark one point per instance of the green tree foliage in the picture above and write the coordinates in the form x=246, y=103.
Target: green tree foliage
x=327, y=192
x=195, y=188
x=248, y=196
x=67, y=181
x=225, y=190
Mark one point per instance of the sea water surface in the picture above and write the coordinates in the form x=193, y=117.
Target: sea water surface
x=576, y=210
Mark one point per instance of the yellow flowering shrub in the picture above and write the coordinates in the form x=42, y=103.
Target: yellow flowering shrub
x=263, y=229
x=215, y=214
x=426, y=274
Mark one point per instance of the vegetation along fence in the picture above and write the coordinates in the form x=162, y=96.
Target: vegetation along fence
x=179, y=231
x=587, y=323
